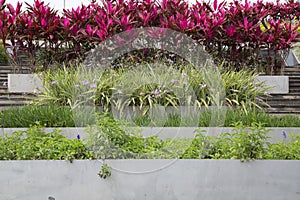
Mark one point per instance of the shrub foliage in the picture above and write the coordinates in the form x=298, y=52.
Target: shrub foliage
x=234, y=31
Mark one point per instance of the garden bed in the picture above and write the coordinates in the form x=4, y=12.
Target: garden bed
x=184, y=173
x=178, y=164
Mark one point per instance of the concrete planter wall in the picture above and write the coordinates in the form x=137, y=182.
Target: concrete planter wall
x=150, y=179
x=31, y=83
x=279, y=84
x=292, y=59
x=27, y=83
x=169, y=132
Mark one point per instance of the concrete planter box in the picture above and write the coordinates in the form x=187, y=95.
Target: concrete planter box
x=150, y=179
x=24, y=83
x=279, y=84
x=292, y=59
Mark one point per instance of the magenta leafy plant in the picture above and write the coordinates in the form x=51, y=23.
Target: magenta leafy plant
x=234, y=33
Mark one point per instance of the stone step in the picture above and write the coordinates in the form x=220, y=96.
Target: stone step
x=283, y=111
x=284, y=108
x=12, y=70
x=14, y=102
x=294, y=81
x=294, y=90
x=6, y=71
x=278, y=99
x=15, y=98
x=283, y=101
x=294, y=78
x=289, y=106
x=6, y=67
x=291, y=69
x=284, y=96
x=16, y=93
x=3, y=90
x=5, y=107
x=292, y=74
x=294, y=85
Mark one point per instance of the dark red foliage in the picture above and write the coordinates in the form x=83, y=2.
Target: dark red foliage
x=232, y=31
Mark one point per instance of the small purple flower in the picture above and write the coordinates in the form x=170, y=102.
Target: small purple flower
x=232, y=90
x=93, y=85
x=3, y=121
x=142, y=93
x=244, y=87
x=102, y=105
x=175, y=81
x=5, y=84
x=167, y=91
x=78, y=136
x=156, y=92
x=37, y=92
x=53, y=83
x=258, y=99
x=202, y=86
x=85, y=82
x=284, y=134
x=170, y=61
x=266, y=93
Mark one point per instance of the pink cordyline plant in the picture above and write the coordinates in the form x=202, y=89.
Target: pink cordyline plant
x=234, y=31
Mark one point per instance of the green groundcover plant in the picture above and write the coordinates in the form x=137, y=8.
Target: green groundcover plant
x=63, y=116
x=48, y=116
x=111, y=139
x=35, y=144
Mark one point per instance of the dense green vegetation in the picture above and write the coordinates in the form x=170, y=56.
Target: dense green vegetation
x=111, y=139
x=35, y=144
x=63, y=116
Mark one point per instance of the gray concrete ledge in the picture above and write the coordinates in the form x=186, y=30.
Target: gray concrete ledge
x=151, y=180
x=275, y=133
x=27, y=83
x=279, y=84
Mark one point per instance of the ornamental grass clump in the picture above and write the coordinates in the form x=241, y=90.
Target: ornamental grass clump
x=148, y=85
